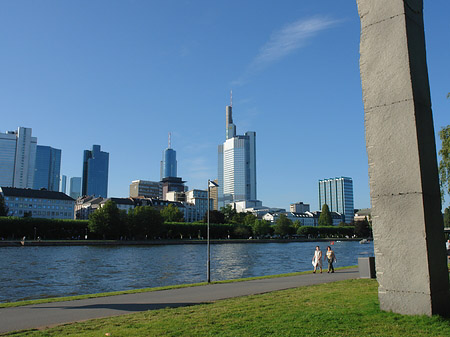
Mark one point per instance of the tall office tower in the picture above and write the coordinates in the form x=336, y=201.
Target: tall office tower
x=63, y=185
x=95, y=172
x=146, y=189
x=337, y=193
x=47, y=168
x=169, y=162
x=75, y=187
x=236, y=165
x=17, y=158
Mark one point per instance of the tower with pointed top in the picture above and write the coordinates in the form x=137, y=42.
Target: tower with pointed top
x=169, y=162
x=236, y=164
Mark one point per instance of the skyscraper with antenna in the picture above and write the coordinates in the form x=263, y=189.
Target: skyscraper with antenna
x=169, y=162
x=236, y=163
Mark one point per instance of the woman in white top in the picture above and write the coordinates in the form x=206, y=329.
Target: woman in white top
x=317, y=259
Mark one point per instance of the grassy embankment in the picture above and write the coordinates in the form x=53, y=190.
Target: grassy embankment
x=346, y=308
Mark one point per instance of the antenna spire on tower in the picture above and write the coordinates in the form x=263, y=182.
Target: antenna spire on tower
x=231, y=98
x=169, y=139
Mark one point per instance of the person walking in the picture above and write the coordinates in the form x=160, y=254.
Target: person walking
x=331, y=258
x=317, y=259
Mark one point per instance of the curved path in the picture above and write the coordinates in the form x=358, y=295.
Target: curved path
x=51, y=314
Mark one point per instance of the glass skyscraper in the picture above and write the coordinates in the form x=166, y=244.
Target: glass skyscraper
x=337, y=193
x=95, y=172
x=169, y=163
x=47, y=168
x=75, y=187
x=17, y=158
x=236, y=165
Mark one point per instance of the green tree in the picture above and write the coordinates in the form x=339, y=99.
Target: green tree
x=447, y=217
x=283, y=225
x=296, y=225
x=249, y=219
x=108, y=221
x=325, y=216
x=362, y=229
x=215, y=216
x=444, y=164
x=242, y=231
x=171, y=213
x=145, y=221
x=238, y=218
x=229, y=212
x=260, y=227
x=3, y=208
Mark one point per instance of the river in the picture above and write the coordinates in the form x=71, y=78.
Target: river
x=42, y=272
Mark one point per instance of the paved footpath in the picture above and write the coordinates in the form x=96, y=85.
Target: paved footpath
x=51, y=314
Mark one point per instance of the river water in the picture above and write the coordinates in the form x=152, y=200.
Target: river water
x=41, y=272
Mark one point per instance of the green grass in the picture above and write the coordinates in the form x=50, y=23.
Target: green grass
x=143, y=290
x=346, y=308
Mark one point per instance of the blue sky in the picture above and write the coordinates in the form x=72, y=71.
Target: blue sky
x=122, y=74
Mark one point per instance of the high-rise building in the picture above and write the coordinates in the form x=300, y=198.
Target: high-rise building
x=47, y=168
x=75, y=187
x=63, y=185
x=337, y=193
x=146, y=189
x=95, y=172
x=236, y=164
x=17, y=158
x=169, y=162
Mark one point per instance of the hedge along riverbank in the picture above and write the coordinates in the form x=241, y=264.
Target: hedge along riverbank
x=49, y=229
x=14, y=228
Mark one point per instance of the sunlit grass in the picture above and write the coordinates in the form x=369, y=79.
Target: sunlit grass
x=345, y=308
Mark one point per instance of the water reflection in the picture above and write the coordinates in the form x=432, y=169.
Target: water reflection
x=39, y=272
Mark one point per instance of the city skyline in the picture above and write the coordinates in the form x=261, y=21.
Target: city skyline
x=123, y=75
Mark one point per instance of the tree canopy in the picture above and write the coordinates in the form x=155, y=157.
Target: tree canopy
x=444, y=164
x=145, y=221
x=283, y=225
x=108, y=221
x=171, y=213
x=325, y=216
x=228, y=212
x=3, y=208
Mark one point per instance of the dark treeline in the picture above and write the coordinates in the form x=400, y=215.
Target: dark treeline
x=147, y=223
x=16, y=228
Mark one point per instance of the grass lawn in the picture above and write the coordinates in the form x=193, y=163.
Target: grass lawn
x=346, y=308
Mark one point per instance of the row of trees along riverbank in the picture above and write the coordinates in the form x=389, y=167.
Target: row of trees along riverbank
x=145, y=222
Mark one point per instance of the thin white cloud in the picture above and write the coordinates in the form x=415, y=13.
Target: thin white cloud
x=285, y=41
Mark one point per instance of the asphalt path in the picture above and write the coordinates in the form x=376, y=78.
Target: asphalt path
x=40, y=316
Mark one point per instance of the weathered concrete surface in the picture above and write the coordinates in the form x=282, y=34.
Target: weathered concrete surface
x=404, y=187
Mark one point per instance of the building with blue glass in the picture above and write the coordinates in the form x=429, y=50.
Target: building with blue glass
x=75, y=187
x=95, y=172
x=47, y=168
x=337, y=193
x=169, y=163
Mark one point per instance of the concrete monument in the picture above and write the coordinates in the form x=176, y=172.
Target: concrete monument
x=410, y=255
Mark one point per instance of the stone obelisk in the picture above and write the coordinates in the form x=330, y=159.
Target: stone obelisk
x=408, y=232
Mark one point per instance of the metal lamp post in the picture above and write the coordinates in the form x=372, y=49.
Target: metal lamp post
x=208, y=260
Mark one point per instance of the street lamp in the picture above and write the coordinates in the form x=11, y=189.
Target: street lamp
x=208, y=261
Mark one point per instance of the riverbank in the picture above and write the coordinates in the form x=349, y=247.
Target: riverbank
x=16, y=243
x=318, y=310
